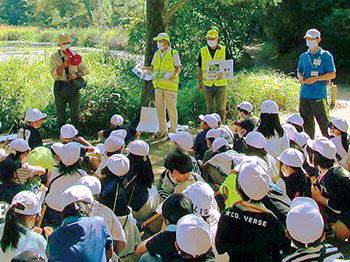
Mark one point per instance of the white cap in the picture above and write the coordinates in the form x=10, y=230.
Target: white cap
x=301, y=139
x=213, y=133
x=340, y=123
x=246, y=106
x=19, y=145
x=182, y=139
x=295, y=119
x=121, y=133
x=2, y=153
x=56, y=147
x=113, y=143
x=304, y=220
x=70, y=153
x=313, y=33
x=255, y=139
x=217, y=116
x=254, y=181
x=211, y=120
x=245, y=160
x=118, y=164
x=218, y=143
x=292, y=157
x=269, y=107
x=30, y=202
x=324, y=146
x=193, y=235
x=202, y=197
x=291, y=131
x=33, y=115
x=76, y=193
x=139, y=148
x=68, y=131
x=117, y=120
x=93, y=183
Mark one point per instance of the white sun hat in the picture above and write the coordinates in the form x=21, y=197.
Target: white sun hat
x=340, y=123
x=213, y=133
x=93, y=183
x=19, y=145
x=117, y=120
x=183, y=139
x=292, y=157
x=210, y=120
x=295, y=119
x=255, y=139
x=218, y=143
x=121, y=133
x=269, y=107
x=118, y=164
x=245, y=105
x=29, y=201
x=301, y=139
x=68, y=131
x=76, y=193
x=33, y=115
x=324, y=146
x=291, y=131
x=139, y=148
x=113, y=143
x=70, y=153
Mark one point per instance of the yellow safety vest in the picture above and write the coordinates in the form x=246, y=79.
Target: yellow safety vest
x=229, y=190
x=220, y=54
x=162, y=67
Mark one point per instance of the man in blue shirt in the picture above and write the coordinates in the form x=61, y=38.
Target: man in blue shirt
x=315, y=68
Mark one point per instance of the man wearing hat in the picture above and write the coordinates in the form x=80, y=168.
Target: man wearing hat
x=315, y=68
x=67, y=70
x=166, y=66
x=214, y=90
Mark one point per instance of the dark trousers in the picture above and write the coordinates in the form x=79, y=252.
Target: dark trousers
x=216, y=100
x=310, y=109
x=66, y=94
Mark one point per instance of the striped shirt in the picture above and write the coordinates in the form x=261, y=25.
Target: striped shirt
x=322, y=252
x=25, y=173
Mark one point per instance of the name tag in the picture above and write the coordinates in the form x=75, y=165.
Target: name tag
x=314, y=73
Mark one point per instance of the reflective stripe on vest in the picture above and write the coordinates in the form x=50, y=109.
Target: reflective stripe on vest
x=220, y=54
x=165, y=66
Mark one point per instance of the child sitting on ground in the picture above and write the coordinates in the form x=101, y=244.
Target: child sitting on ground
x=306, y=229
x=211, y=135
x=338, y=130
x=200, y=144
x=98, y=209
x=162, y=245
x=116, y=123
x=297, y=121
x=30, y=132
x=245, y=110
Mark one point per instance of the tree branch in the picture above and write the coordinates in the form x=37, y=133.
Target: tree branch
x=173, y=10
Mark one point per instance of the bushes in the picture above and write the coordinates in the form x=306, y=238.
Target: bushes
x=113, y=88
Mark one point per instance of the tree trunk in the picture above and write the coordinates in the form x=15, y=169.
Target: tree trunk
x=154, y=26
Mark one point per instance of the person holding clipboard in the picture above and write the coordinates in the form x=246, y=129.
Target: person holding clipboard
x=315, y=68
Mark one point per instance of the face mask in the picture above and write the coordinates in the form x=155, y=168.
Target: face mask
x=211, y=43
x=67, y=46
x=311, y=43
x=160, y=46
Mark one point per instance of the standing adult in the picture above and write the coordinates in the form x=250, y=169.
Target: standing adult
x=214, y=90
x=67, y=73
x=315, y=68
x=167, y=67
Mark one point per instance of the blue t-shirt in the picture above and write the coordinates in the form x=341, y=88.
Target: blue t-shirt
x=83, y=239
x=322, y=62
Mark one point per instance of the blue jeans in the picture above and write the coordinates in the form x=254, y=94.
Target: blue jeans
x=147, y=257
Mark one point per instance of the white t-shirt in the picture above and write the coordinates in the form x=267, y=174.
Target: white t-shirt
x=276, y=145
x=213, y=221
x=177, y=61
x=53, y=199
x=30, y=240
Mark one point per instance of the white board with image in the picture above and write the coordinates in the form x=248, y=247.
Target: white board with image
x=214, y=68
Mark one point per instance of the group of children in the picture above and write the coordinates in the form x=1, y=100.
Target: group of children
x=254, y=191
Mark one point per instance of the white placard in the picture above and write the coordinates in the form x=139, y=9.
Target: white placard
x=143, y=74
x=214, y=68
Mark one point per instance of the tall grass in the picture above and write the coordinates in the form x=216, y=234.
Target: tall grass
x=113, y=88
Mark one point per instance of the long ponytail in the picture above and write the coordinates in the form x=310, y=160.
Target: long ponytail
x=13, y=229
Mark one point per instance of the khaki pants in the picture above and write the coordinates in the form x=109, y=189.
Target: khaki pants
x=166, y=99
x=216, y=100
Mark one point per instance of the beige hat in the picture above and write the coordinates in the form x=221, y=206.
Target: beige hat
x=19, y=145
x=183, y=139
x=118, y=164
x=117, y=120
x=70, y=153
x=93, y=183
x=30, y=202
x=193, y=235
x=76, y=193
x=254, y=181
x=64, y=38
x=304, y=220
x=162, y=36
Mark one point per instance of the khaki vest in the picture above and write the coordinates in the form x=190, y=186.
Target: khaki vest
x=220, y=54
x=163, y=66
